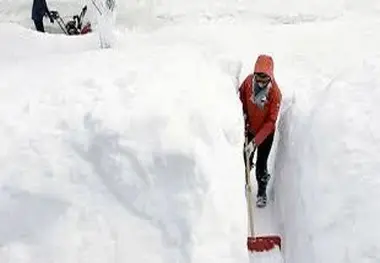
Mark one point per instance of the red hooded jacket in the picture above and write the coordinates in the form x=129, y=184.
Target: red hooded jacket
x=261, y=122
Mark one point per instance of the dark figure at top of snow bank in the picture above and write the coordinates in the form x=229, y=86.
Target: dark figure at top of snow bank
x=39, y=10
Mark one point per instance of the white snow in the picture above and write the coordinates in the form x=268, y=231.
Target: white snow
x=134, y=153
x=327, y=182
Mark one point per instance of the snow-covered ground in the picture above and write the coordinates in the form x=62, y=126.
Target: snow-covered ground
x=134, y=153
x=327, y=168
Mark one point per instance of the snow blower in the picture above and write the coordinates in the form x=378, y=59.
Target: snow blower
x=259, y=243
x=74, y=26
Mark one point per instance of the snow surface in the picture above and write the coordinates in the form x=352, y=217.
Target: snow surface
x=134, y=153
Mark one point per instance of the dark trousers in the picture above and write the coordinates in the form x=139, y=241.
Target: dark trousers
x=39, y=25
x=263, y=151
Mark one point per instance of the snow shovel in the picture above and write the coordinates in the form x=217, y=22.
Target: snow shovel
x=259, y=243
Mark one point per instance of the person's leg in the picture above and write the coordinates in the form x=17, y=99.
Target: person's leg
x=262, y=175
x=39, y=25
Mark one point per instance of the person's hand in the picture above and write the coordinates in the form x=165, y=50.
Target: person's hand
x=52, y=15
x=249, y=148
x=246, y=126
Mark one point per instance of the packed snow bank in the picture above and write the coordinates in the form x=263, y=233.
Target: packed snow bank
x=131, y=155
x=327, y=168
x=23, y=43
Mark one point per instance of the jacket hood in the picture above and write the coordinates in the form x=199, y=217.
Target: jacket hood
x=264, y=64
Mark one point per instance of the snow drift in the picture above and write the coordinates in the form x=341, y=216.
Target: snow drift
x=123, y=160
x=327, y=166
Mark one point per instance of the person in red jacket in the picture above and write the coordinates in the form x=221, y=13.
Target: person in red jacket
x=261, y=100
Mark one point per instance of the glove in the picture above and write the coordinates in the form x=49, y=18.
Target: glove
x=249, y=148
x=54, y=14
x=246, y=125
x=51, y=15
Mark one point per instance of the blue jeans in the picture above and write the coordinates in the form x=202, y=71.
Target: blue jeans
x=39, y=24
x=263, y=151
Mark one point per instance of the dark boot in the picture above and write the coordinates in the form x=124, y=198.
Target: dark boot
x=39, y=24
x=262, y=182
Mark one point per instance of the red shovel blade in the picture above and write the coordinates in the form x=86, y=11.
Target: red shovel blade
x=260, y=244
